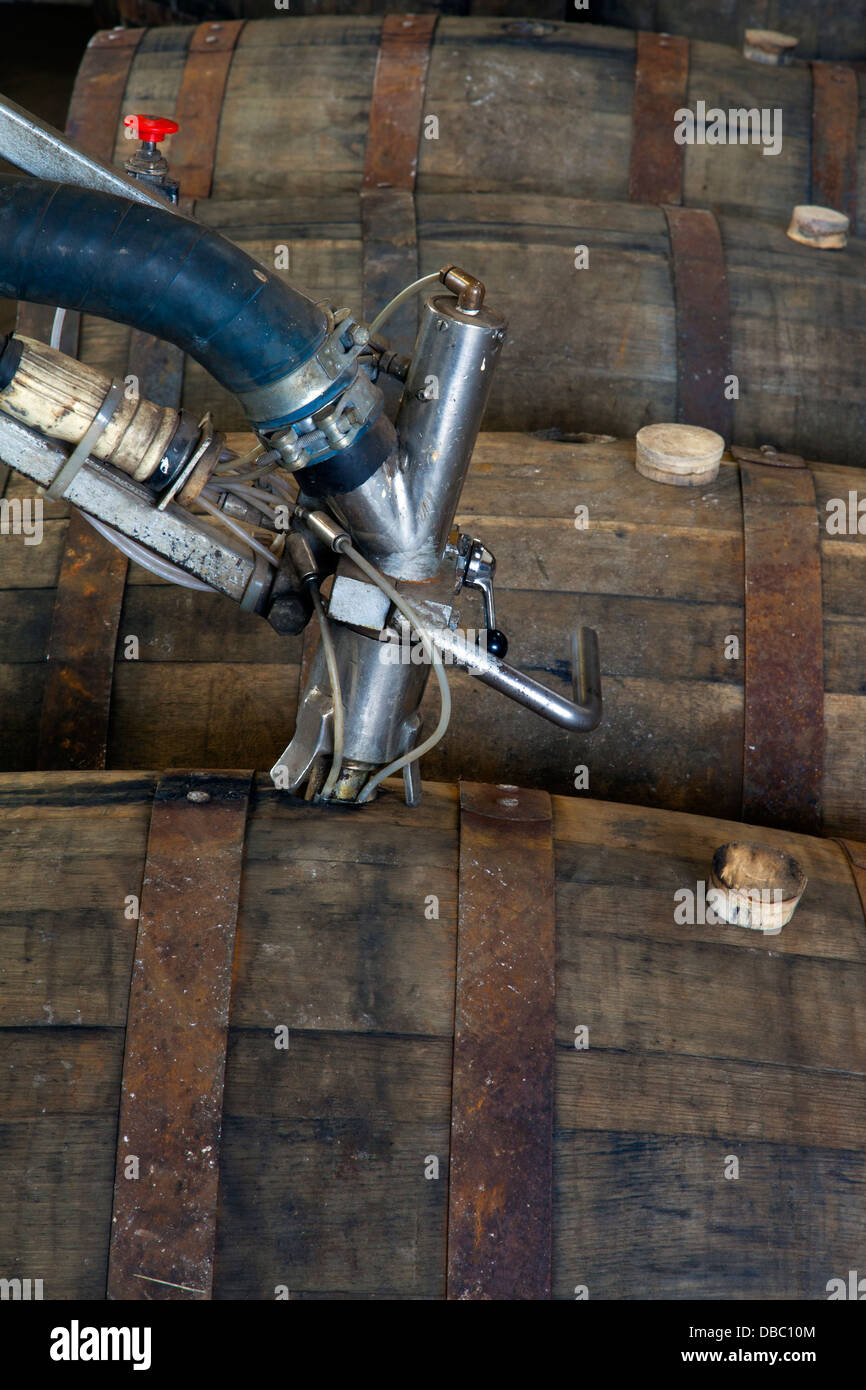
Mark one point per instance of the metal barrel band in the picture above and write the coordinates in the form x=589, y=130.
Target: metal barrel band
x=500, y=1195
x=163, y=1230
x=199, y=104
x=835, y=153
x=703, y=320
x=783, y=754
x=84, y=448
x=660, y=89
x=159, y=365
x=855, y=853
x=76, y=708
x=767, y=455
x=388, y=224
x=73, y=729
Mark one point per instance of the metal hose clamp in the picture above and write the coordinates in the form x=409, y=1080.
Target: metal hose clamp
x=84, y=448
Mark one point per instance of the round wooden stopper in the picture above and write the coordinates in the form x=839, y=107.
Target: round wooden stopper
x=769, y=46
x=824, y=228
x=685, y=455
x=761, y=886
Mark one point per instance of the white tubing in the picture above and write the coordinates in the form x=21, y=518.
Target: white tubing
x=57, y=328
x=252, y=456
x=430, y=649
x=163, y=569
x=400, y=299
x=238, y=530
x=336, y=693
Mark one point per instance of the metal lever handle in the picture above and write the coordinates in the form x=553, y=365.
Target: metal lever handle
x=581, y=714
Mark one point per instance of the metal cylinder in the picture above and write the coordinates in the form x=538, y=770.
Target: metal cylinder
x=442, y=408
x=382, y=688
x=400, y=517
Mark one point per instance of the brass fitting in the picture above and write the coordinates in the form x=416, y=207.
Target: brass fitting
x=470, y=291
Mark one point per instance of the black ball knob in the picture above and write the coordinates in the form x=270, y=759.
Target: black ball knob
x=497, y=642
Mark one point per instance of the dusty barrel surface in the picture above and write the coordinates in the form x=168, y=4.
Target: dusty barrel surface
x=520, y=107
x=608, y=328
x=706, y=1041
x=658, y=571
x=823, y=31
x=598, y=348
x=835, y=35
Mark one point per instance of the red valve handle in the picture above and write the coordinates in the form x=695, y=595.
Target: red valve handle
x=153, y=128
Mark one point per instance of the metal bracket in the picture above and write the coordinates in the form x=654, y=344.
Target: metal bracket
x=37, y=148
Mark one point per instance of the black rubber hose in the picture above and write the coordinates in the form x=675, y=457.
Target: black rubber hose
x=10, y=358
x=122, y=260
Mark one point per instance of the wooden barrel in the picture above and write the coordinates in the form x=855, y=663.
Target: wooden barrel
x=706, y=1044
x=596, y=349
x=659, y=572
x=521, y=108
x=837, y=35
x=606, y=320
x=822, y=31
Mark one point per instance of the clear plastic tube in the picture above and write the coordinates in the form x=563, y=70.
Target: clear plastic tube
x=430, y=649
x=237, y=529
x=336, y=693
x=284, y=487
x=163, y=569
x=400, y=299
x=251, y=456
x=242, y=477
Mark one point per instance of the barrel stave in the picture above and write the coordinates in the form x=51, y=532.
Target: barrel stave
x=735, y=1044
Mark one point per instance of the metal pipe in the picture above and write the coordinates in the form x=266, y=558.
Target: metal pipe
x=581, y=714
x=400, y=517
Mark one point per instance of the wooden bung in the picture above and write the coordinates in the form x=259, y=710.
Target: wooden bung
x=684, y=455
x=60, y=397
x=760, y=885
x=769, y=46
x=824, y=228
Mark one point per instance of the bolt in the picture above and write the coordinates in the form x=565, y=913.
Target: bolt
x=198, y=796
